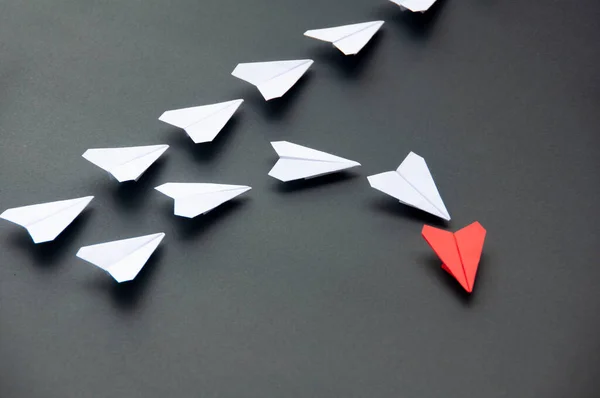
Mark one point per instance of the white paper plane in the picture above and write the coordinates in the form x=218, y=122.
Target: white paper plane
x=191, y=200
x=273, y=79
x=412, y=185
x=297, y=162
x=414, y=5
x=125, y=164
x=349, y=39
x=202, y=123
x=46, y=221
x=122, y=259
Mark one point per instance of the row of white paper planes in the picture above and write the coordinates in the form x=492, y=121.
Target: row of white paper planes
x=411, y=183
x=273, y=79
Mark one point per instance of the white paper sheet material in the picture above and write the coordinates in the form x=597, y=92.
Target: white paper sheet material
x=273, y=79
x=125, y=164
x=46, y=221
x=202, y=123
x=193, y=199
x=414, y=5
x=412, y=185
x=122, y=259
x=297, y=162
x=349, y=39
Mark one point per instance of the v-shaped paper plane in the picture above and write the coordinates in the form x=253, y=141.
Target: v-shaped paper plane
x=46, y=221
x=122, y=259
x=273, y=79
x=349, y=39
x=202, y=123
x=412, y=185
x=460, y=252
x=125, y=164
x=192, y=200
x=297, y=162
x=414, y=5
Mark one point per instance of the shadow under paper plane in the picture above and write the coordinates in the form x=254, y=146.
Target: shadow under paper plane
x=277, y=108
x=313, y=183
x=49, y=254
x=397, y=209
x=350, y=67
x=418, y=25
x=191, y=228
x=204, y=152
x=127, y=296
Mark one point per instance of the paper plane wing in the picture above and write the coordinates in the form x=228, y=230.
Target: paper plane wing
x=202, y=123
x=46, y=221
x=349, y=39
x=122, y=259
x=460, y=252
x=297, y=162
x=192, y=200
x=413, y=185
x=444, y=245
x=125, y=164
x=469, y=241
x=415, y=5
x=273, y=79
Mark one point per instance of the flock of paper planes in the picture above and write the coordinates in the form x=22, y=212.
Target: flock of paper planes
x=411, y=183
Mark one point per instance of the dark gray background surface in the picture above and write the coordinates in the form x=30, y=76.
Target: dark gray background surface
x=319, y=289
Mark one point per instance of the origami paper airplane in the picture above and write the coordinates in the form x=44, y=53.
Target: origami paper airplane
x=273, y=79
x=349, y=39
x=125, y=164
x=202, y=123
x=46, y=221
x=122, y=259
x=460, y=251
x=296, y=162
x=414, y=5
x=192, y=200
x=412, y=185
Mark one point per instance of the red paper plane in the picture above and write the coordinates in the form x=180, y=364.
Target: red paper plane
x=460, y=251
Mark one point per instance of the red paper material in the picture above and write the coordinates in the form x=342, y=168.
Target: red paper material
x=460, y=252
